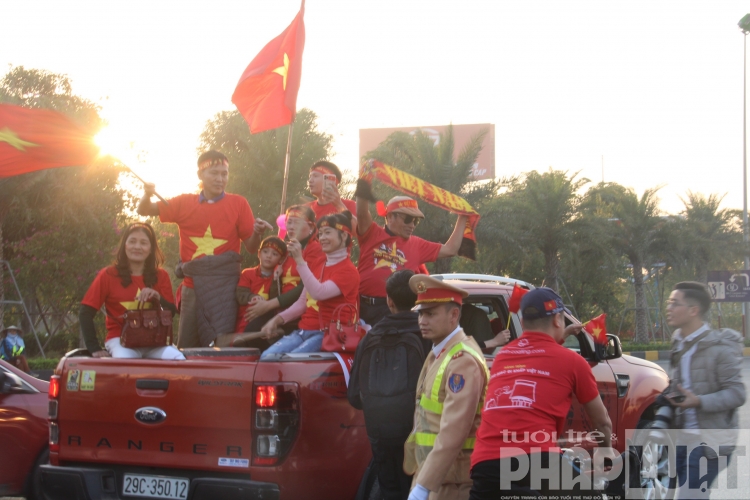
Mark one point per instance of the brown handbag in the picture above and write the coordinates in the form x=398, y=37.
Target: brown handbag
x=146, y=327
x=340, y=337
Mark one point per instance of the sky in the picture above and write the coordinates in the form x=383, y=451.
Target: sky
x=641, y=93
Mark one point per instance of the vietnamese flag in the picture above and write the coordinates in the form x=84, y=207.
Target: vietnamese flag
x=514, y=304
x=37, y=139
x=266, y=95
x=597, y=327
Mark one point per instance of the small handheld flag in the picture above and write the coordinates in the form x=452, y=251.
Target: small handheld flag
x=597, y=327
x=514, y=303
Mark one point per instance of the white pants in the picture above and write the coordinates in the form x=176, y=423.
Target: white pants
x=117, y=351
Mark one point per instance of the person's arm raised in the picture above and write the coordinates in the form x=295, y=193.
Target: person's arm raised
x=450, y=248
x=364, y=197
x=146, y=207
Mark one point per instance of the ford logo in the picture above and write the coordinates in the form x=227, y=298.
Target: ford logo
x=150, y=415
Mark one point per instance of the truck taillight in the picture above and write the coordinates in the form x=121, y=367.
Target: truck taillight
x=54, y=386
x=54, y=430
x=275, y=421
x=54, y=437
x=265, y=396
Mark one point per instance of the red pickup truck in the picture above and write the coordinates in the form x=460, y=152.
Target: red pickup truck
x=224, y=424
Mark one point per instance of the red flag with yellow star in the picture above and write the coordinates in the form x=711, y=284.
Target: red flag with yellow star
x=597, y=327
x=36, y=139
x=266, y=94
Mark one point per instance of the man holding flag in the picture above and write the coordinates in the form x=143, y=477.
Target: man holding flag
x=212, y=226
x=390, y=248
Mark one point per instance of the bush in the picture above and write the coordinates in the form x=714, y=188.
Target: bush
x=43, y=363
x=629, y=346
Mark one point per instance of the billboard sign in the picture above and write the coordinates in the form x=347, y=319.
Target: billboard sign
x=484, y=168
x=729, y=286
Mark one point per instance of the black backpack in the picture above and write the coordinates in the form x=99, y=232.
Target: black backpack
x=391, y=362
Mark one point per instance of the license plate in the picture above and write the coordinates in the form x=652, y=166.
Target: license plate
x=155, y=486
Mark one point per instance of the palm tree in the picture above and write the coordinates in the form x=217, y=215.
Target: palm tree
x=434, y=162
x=540, y=214
x=637, y=232
x=710, y=236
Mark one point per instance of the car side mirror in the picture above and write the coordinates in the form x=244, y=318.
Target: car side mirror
x=613, y=350
x=9, y=383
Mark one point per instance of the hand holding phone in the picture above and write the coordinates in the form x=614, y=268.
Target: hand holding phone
x=329, y=180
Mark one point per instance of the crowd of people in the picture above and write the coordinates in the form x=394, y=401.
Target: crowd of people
x=435, y=415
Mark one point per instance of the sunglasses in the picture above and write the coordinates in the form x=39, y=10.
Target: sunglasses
x=408, y=219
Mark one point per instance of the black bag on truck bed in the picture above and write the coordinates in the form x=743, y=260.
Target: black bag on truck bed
x=385, y=375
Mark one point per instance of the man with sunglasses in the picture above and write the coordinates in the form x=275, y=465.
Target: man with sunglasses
x=385, y=250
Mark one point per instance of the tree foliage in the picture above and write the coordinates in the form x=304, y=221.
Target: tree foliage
x=59, y=226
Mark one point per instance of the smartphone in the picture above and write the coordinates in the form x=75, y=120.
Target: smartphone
x=679, y=398
x=329, y=180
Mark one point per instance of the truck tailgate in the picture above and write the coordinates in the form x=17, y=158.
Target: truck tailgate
x=194, y=413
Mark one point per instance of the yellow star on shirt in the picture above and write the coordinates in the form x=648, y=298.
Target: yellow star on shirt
x=311, y=302
x=263, y=293
x=133, y=304
x=7, y=135
x=393, y=261
x=206, y=244
x=283, y=70
x=289, y=278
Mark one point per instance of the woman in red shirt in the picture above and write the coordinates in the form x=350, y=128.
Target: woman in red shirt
x=135, y=278
x=338, y=284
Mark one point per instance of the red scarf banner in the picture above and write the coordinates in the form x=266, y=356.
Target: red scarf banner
x=434, y=195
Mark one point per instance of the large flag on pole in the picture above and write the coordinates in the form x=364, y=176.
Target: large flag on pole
x=37, y=139
x=266, y=94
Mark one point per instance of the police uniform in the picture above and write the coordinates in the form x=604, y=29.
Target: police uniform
x=450, y=396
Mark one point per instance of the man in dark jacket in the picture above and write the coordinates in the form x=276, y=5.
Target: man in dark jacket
x=384, y=383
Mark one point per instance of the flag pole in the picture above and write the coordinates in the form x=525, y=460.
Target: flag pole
x=286, y=167
x=140, y=179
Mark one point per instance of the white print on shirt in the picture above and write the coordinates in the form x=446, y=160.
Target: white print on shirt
x=522, y=395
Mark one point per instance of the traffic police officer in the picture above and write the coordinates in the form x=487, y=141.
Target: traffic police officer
x=450, y=394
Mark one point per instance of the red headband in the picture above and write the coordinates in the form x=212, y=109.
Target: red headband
x=338, y=226
x=325, y=171
x=395, y=205
x=296, y=212
x=212, y=163
x=273, y=245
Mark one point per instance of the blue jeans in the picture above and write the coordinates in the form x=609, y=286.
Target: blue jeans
x=297, y=341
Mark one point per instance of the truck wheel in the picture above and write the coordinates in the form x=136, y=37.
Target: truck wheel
x=34, y=487
x=653, y=453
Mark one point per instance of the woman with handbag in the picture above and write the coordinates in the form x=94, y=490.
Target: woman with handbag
x=134, y=282
x=332, y=299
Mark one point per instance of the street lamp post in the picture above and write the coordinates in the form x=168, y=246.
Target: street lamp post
x=744, y=25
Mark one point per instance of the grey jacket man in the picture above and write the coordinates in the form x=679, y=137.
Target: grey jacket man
x=715, y=376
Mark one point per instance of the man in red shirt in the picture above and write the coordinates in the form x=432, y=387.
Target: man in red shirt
x=211, y=224
x=532, y=382
x=385, y=250
x=323, y=184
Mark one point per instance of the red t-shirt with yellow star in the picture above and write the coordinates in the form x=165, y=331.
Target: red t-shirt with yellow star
x=329, y=208
x=107, y=289
x=318, y=313
x=253, y=279
x=208, y=228
x=382, y=254
x=315, y=258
